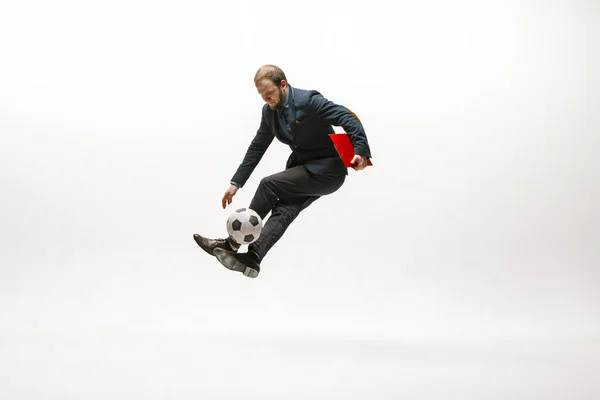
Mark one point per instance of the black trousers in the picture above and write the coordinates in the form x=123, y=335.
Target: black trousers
x=285, y=194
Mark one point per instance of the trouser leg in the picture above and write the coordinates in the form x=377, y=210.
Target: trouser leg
x=292, y=183
x=282, y=215
x=286, y=194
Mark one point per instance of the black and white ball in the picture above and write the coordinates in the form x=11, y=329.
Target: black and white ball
x=244, y=225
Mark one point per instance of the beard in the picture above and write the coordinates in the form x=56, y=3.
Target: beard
x=280, y=101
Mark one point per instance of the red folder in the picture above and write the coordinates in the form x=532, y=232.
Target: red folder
x=344, y=147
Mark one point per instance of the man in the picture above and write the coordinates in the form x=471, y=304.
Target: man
x=301, y=119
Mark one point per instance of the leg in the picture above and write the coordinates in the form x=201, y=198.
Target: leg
x=292, y=183
x=282, y=215
x=286, y=194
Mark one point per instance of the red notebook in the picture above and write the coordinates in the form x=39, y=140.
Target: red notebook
x=344, y=147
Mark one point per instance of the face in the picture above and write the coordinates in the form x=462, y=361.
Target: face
x=271, y=94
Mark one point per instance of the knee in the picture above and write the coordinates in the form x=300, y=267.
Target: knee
x=266, y=182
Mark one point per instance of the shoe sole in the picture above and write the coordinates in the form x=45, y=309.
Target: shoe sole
x=229, y=261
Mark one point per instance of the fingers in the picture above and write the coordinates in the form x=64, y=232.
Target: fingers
x=227, y=199
x=355, y=162
x=359, y=163
x=364, y=162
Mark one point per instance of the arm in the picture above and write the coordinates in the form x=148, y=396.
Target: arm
x=257, y=148
x=339, y=115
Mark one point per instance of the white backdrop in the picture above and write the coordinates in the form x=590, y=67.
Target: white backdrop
x=122, y=122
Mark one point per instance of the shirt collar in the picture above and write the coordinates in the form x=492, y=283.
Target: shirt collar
x=286, y=102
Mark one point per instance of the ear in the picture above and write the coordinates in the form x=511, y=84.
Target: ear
x=283, y=84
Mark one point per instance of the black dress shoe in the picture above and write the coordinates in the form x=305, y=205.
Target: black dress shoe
x=246, y=263
x=209, y=245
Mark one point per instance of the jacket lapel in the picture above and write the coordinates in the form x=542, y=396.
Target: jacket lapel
x=293, y=116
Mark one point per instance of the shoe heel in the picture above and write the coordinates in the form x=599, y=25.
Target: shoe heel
x=250, y=273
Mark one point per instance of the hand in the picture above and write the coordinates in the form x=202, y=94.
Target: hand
x=228, y=196
x=359, y=162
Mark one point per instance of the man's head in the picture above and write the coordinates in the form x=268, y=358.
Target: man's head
x=271, y=83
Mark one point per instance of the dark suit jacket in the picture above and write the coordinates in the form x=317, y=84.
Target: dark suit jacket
x=311, y=119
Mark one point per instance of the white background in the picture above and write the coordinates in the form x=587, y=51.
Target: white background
x=122, y=122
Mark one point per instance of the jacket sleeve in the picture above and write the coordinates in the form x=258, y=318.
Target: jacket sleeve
x=338, y=115
x=257, y=148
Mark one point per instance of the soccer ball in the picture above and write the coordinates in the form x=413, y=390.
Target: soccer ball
x=244, y=226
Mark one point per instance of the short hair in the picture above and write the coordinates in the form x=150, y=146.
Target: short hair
x=270, y=72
